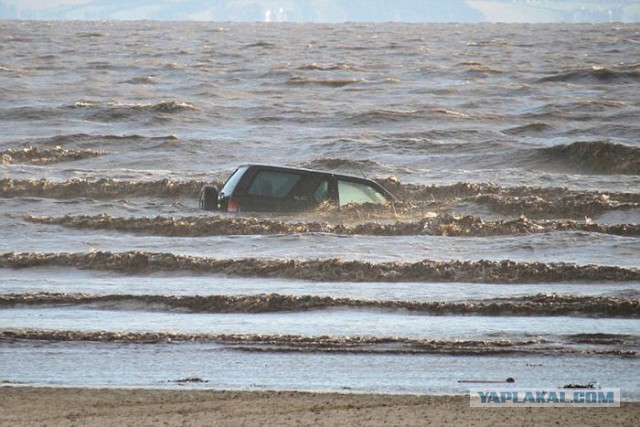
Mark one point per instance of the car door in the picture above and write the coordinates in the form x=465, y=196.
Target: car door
x=269, y=190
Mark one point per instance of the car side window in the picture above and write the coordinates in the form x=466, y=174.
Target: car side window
x=273, y=183
x=355, y=192
x=322, y=192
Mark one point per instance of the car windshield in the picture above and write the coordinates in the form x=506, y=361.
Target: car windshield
x=273, y=183
x=233, y=181
x=355, y=192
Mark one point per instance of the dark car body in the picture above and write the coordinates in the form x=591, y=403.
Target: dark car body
x=265, y=188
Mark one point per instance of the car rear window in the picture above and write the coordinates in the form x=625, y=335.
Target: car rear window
x=233, y=181
x=273, y=183
x=355, y=192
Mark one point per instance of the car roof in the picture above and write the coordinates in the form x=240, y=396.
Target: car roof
x=305, y=170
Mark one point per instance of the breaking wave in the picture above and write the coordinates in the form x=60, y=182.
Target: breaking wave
x=261, y=44
x=419, y=192
x=87, y=140
x=144, y=80
x=473, y=67
x=103, y=112
x=326, y=344
x=100, y=189
x=621, y=75
x=39, y=156
x=328, y=270
x=314, y=66
x=536, y=305
x=531, y=129
x=380, y=116
x=336, y=82
x=603, y=339
x=602, y=157
x=159, y=107
x=528, y=201
x=576, y=205
x=340, y=164
x=116, y=111
x=440, y=225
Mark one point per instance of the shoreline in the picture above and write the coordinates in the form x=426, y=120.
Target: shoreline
x=24, y=405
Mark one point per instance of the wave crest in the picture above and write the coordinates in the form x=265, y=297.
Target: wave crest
x=622, y=74
x=522, y=200
x=327, y=270
x=100, y=189
x=536, y=305
x=439, y=225
x=327, y=344
x=117, y=111
x=381, y=116
x=314, y=66
x=531, y=129
x=335, y=82
x=341, y=164
x=40, y=156
x=604, y=157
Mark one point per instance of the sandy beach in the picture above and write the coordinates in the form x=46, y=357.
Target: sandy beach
x=32, y=406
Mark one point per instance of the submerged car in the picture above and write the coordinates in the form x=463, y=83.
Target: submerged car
x=264, y=188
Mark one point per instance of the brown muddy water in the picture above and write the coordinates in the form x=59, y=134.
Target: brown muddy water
x=513, y=252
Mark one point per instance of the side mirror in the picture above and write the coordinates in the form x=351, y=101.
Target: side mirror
x=209, y=198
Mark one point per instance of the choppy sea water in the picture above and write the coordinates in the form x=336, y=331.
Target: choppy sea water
x=514, y=251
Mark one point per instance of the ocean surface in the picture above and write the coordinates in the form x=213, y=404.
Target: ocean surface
x=514, y=250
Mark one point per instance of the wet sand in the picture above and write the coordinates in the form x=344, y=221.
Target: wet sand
x=32, y=406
